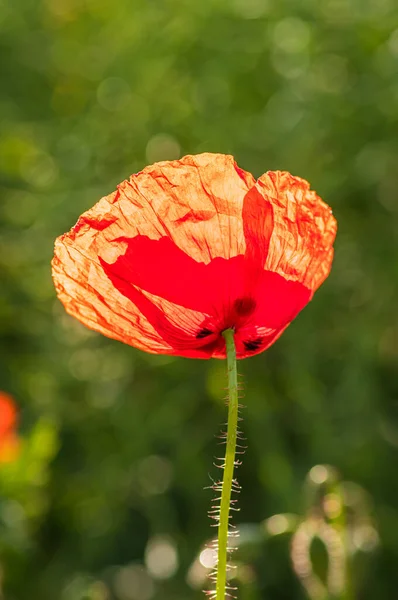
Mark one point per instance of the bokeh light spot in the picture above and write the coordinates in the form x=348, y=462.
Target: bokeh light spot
x=332, y=505
x=319, y=474
x=133, y=583
x=162, y=147
x=277, y=524
x=208, y=558
x=161, y=558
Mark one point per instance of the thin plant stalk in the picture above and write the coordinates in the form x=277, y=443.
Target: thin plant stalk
x=340, y=523
x=229, y=464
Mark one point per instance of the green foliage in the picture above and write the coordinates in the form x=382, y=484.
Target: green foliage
x=117, y=445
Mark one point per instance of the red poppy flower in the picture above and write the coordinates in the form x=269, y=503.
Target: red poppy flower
x=186, y=249
x=9, y=442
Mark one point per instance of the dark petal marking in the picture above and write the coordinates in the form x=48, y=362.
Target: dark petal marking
x=203, y=333
x=252, y=345
x=244, y=306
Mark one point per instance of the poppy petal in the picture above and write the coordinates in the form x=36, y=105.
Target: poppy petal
x=301, y=247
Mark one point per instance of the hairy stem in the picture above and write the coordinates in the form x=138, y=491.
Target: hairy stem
x=232, y=432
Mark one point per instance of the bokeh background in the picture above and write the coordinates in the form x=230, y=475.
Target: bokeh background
x=103, y=496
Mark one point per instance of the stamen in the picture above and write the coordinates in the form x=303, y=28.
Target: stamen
x=252, y=345
x=203, y=333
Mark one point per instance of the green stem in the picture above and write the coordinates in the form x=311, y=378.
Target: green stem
x=232, y=432
x=340, y=524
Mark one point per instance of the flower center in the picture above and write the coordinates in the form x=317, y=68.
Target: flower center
x=242, y=308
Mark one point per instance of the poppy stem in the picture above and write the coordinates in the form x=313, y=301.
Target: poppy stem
x=229, y=464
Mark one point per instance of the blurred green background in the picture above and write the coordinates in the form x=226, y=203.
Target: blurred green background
x=106, y=499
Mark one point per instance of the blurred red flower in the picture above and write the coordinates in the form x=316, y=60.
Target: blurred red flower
x=186, y=249
x=9, y=442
